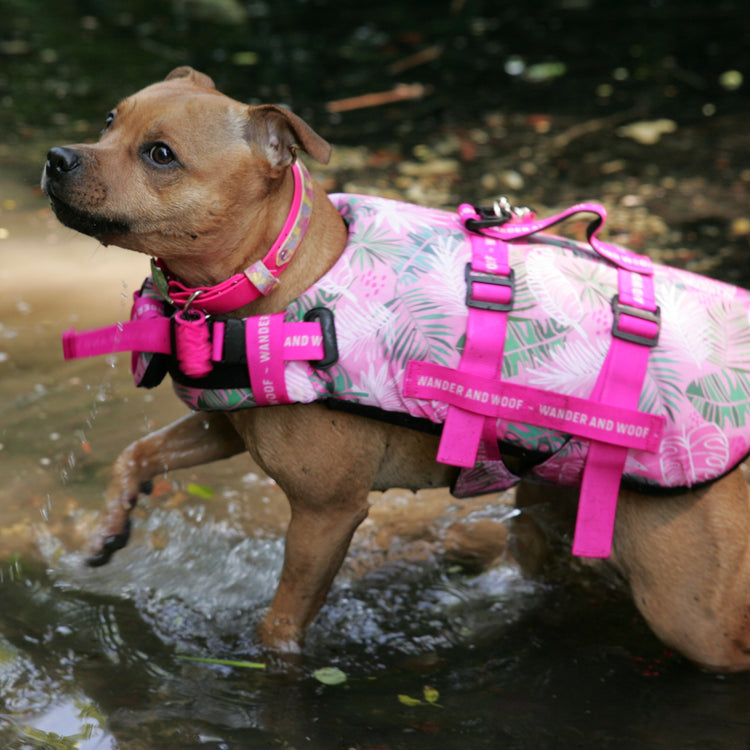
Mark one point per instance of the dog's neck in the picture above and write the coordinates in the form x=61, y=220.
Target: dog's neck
x=321, y=247
x=260, y=279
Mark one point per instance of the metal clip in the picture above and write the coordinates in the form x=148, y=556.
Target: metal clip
x=186, y=312
x=502, y=208
x=501, y=212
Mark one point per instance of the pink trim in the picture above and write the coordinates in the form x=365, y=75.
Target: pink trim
x=262, y=276
x=264, y=340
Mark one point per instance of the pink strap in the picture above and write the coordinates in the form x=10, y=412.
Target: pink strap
x=635, y=329
x=621, y=257
x=153, y=335
x=261, y=278
x=264, y=339
x=302, y=340
x=619, y=383
x=489, y=292
x=610, y=423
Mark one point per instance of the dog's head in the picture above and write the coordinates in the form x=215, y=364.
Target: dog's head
x=179, y=169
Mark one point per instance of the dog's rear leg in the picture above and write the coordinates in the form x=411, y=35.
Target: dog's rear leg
x=687, y=559
x=197, y=438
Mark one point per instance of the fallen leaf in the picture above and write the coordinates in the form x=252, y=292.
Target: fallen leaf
x=225, y=662
x=329, y=676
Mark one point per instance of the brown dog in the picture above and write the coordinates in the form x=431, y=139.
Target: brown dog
x=203, y=182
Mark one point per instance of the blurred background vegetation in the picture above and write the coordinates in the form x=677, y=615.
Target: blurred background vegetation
x=64, y=64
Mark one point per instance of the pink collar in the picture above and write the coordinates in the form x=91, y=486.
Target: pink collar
x=261, y=278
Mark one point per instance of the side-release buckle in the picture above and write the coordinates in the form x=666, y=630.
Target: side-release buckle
x=489, y=278
x=324, y=316
x=619, y=308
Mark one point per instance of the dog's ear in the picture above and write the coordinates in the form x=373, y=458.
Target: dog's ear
x=280, y=133
x=185, y=71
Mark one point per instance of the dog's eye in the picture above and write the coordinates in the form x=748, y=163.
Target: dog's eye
x=110, y=119
x=161, y=154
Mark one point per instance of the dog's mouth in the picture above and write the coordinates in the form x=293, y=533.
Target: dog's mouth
x=85, y=221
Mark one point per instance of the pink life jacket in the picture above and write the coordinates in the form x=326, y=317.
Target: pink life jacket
x=398, y=295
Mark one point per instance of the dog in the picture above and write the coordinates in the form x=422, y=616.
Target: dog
x=186, y=174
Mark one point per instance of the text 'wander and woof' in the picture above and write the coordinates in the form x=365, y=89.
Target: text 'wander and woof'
x=502, y=400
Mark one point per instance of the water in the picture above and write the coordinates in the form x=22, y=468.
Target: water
x=94, y=658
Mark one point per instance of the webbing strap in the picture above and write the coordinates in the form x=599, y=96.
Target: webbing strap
x=586, y=418
x=489, y=297
x=623, y=369
x=264, y=338
x=635, y=330
x=301, y=340
x=150, y=335
x=620, y=383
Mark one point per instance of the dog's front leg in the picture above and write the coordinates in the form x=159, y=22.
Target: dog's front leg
x=326, y=463
x=197, y=438
x=316, y=545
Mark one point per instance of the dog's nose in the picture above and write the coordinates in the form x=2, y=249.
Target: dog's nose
x=61, y=160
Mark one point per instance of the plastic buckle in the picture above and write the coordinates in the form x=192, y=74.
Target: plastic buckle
x=324, y=316
x=487, y=278
x=233, y=347
x=618, y=308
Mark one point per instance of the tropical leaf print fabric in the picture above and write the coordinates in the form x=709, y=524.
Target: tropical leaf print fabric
x=398, y=294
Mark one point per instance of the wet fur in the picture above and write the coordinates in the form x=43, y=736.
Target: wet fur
x=219, y=207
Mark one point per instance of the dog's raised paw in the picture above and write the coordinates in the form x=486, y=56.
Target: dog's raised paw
x=109, y=546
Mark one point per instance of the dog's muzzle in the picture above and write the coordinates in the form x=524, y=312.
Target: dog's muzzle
x=64, y=183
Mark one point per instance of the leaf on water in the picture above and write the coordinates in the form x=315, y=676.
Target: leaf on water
x=407, y=700
x=329, y=675
x=431, y=698
x=225, y=662
x=203, y=491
